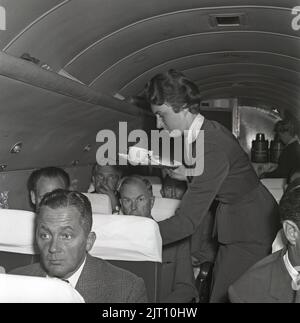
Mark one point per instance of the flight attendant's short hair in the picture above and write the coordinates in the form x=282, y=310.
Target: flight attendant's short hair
x=175, y=88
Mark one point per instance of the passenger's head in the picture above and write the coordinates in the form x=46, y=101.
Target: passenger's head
x=289, y=208
x=106, y=175
x=136, y=196
x=173, y=188
x=286, y=130
x=63, y=232
x=46, y=180
x=293, y=180
x=174, y=100
x=294, y=175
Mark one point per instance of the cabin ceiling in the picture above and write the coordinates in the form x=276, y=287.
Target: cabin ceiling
x=116, y=46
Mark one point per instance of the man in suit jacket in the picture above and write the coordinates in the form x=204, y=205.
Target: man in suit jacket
x=289, y=159
x=45, y=180
x=105, y=180
x=64, y=238
x=177, y=279
x=275, y=279
x=246, y=220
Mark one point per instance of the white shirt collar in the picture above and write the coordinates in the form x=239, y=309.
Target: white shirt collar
x=194, y=129
x=291, y=270
x=75, y=277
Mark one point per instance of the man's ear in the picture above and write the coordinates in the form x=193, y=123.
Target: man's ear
x=32, y=197
x=291, y=231
x=90, y=241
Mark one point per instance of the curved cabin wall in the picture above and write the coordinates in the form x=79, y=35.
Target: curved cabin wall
x=253, y=120
x=55, y=119
x=15, y=183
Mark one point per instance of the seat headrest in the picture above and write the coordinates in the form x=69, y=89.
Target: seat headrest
x=17, y=231
x=100, y=203
x=156, y=184
x=164, y=208
x=27, y=289
x=91, y=188
x=123, y=237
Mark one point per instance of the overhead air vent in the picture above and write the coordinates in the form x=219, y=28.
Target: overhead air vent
x=228, y=20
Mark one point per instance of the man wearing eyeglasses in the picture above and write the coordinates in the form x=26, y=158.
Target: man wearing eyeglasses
x=177, y=281
x=105, y=180
x=276, y=278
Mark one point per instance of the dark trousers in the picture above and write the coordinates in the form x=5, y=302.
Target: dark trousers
x=232, y=261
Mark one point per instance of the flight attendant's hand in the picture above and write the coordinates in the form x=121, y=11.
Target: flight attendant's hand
x=177, y=173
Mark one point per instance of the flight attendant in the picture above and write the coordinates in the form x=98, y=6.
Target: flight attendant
x=246, y=219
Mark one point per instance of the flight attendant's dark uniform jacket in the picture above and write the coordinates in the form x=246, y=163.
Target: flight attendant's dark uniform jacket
x=247, y=212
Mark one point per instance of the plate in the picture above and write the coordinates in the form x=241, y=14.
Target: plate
x=145, y=161
x=165, y=163
x=152, y=161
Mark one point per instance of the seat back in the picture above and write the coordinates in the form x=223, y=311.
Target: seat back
x=91, y=188
x=164, y=208
x=100, y=203
x=27, y=289
x=275, y=186
x=156, y=184
x=133, y=243
x=130, y=242
x=17, y=237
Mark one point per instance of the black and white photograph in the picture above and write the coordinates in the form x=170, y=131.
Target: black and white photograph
x=149, y=154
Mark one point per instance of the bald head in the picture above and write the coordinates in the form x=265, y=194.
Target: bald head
x=136, y=196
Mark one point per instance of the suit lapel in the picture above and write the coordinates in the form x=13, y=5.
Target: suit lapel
x=280, y=284
x=89, y=284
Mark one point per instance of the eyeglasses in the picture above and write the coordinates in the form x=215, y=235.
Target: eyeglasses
x=127, y=202
x=110, y=177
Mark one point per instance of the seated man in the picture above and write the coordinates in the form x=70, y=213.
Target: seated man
x=275, y=279
x=173, y=188
x=290, y=156
x=105, y=180
x=293, y=180
x=177, y=281
x=46, y=180
x=64, y=238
